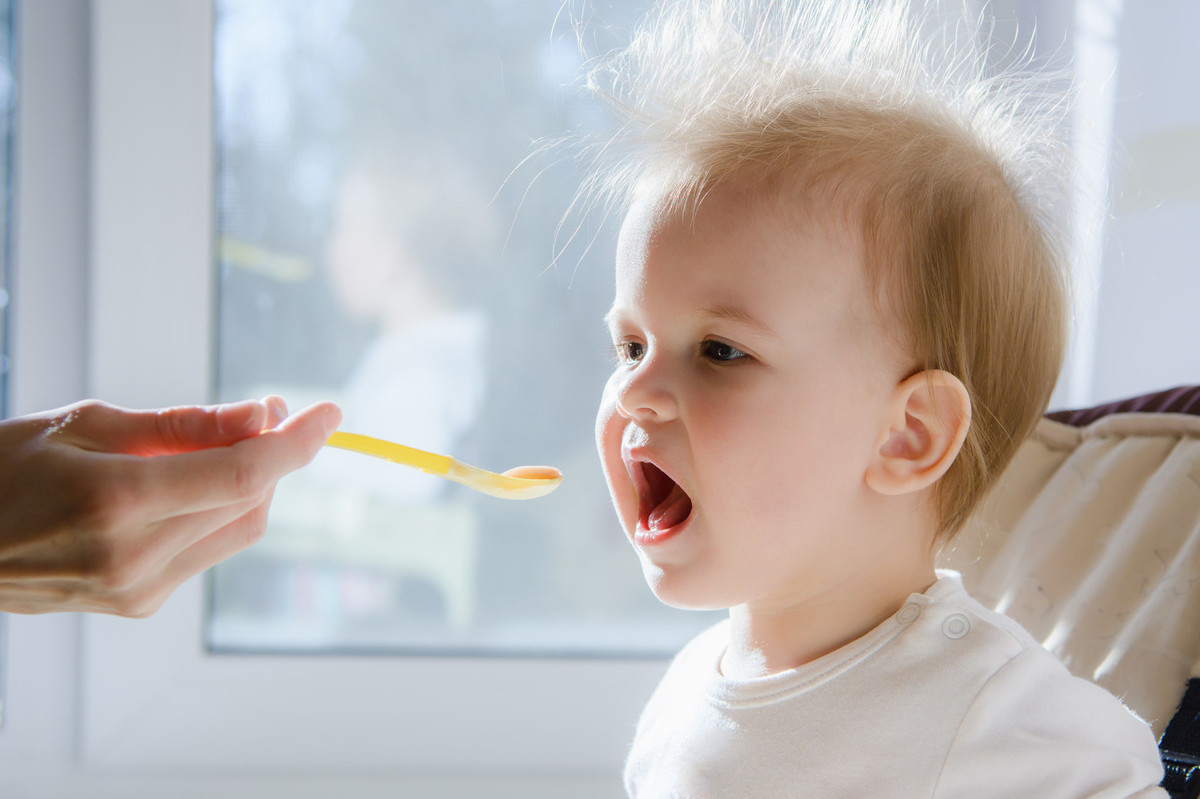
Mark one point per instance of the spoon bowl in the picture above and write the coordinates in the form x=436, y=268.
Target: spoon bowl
x=521, y=482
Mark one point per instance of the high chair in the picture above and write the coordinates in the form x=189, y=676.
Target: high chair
x=1091, y=540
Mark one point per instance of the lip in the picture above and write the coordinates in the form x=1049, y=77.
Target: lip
x=636, y=458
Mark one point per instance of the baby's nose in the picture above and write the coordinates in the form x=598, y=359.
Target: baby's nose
x=646, y=392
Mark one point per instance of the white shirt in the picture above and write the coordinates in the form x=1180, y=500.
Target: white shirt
x=944, y=699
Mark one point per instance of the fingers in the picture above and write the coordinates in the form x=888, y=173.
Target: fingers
x=102, y=427
x=235, y=536
x=136, y=574
x=173, y=485
x=134, y=527
x=215, y=536
x=50, y=596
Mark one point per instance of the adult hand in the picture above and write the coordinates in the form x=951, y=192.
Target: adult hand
x=108, y=510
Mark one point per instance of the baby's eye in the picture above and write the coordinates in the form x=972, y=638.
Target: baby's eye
x=630, y=352
x=720, y=351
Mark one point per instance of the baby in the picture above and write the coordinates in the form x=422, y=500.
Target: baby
x=840, y=307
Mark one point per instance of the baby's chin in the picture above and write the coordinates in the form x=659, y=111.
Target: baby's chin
x=678, y=592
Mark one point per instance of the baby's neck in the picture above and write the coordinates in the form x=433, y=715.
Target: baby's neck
x=769, y=638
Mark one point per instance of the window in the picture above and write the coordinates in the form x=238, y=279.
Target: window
x=8, y=85
x=382, y=243
x=8, y=98
x=150, y=691
x=1144, y=295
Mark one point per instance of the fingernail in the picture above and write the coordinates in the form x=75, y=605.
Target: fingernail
x=240, y=418
x=333, y=416
x=277, y=408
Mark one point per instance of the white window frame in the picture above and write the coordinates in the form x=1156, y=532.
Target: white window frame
x=148, y=698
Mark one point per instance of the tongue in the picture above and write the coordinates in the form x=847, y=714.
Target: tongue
x=671, y=511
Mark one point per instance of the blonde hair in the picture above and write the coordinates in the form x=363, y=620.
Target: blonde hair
x=954, y=172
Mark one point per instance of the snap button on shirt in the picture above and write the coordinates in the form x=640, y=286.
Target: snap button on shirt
x=909, y=613
x=956, y=626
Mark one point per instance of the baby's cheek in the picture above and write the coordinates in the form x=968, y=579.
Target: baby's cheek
x=609, y=428
x=768, y=467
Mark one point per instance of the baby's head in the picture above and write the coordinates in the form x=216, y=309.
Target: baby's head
x=842, y=234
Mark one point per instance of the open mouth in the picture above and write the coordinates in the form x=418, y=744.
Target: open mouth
x=662, y=503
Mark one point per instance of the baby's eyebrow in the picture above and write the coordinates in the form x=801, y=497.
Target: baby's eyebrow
x=733, y=313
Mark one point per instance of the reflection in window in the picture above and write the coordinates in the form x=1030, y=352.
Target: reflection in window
x=380, y=245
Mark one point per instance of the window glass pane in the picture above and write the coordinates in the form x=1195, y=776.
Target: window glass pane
x=8, y=103
x=1147, y=299
x=382, y=244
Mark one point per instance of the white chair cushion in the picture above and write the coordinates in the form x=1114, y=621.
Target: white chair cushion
x=1091, y=540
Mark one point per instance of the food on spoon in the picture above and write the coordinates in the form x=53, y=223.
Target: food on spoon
x=534, y=473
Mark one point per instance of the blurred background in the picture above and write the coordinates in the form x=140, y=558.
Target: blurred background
x=216, y=199
x=385, y=240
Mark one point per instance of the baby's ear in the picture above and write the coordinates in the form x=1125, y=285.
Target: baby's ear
x=928, y=418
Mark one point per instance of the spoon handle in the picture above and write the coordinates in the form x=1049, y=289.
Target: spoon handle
x=389, y=451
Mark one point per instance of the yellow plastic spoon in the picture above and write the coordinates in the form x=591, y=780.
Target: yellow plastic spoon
x=523, y=482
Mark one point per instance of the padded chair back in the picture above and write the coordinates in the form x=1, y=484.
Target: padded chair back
x=1091, y=540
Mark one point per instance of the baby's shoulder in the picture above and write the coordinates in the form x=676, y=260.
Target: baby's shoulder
x=994, y=673
x=1019, y=707
x=946, y=630
x=1062, y=734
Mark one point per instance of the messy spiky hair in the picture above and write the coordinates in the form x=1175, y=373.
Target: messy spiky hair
x=953, y=172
